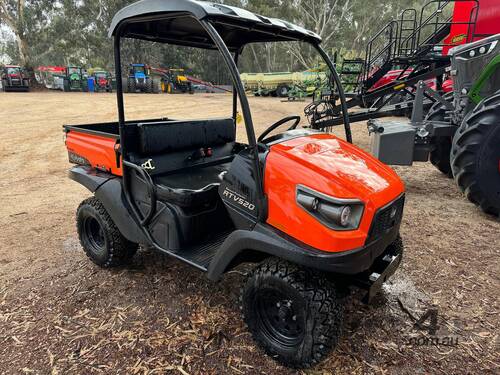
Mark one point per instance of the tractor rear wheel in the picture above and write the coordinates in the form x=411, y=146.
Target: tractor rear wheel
x=294, y=313
x=131, y=86
x=440, y=156
x=149, y=86
x=156, y=87
x=475, y=159
x=66, y=86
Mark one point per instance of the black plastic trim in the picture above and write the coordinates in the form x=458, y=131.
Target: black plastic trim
x=271, y=242
x=89, y=177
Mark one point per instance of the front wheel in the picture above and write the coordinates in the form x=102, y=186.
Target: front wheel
x=100, y=238
x=293, y=313
x=440, y=156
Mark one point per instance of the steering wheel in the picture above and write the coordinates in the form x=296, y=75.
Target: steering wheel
x=276, y=125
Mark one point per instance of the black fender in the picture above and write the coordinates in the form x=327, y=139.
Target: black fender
x=89, y=177
x=108, y=189
x=264, y=241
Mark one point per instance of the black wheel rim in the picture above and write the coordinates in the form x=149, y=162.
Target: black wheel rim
x=95, y=235
x=281, y=318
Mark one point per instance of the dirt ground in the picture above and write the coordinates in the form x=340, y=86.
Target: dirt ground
x=60, y=314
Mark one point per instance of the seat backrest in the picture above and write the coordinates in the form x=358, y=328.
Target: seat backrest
x=171, y=136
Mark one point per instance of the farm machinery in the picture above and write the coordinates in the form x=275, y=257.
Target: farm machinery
x=284, y=84
x=103, y=81
x=460, y=134
x=14, y=79
x=140, y=80
x=74, y=79
x=64, y=78
x=174, y=81
x=406, y=51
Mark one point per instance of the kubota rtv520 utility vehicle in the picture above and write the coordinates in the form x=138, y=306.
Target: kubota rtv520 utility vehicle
x=314, y=212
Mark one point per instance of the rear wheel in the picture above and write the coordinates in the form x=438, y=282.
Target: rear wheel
x=440, y=156
x=149, y=86
x=131, y=86
x=100, y=238
x=66, y=85
x=283, y=91
x=475, y=159
x=293, y=313
x=156, y=87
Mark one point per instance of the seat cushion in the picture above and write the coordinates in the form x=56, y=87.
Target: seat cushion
x=191, y=188
x=170, y=136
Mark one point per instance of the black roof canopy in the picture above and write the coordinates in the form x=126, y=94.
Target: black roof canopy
x=177, y=22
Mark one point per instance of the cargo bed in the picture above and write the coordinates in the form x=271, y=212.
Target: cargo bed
x=98, y=145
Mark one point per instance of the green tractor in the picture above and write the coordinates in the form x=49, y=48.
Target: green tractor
x=460, y=134
x=74, y=79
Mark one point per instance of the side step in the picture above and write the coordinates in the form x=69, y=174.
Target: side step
x=201, y=255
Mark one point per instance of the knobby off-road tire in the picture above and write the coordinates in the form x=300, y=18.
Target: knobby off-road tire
x=440, y=156
x=476, y=155
x=100, y=238
x=293, y=313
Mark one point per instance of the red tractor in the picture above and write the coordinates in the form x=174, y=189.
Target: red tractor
x=103, y=81
x=14, y=79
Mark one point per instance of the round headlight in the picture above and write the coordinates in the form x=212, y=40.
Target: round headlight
x=345, y=216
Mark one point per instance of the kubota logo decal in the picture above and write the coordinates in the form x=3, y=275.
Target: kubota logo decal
x=238, y=199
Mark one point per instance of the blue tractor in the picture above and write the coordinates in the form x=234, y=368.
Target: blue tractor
x=140, y=80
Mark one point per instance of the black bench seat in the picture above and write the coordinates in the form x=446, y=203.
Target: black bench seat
x=191, y=188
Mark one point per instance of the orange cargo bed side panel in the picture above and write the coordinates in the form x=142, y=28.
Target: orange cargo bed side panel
x=97, y=151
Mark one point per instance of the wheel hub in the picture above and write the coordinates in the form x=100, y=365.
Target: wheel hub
x=281, y=318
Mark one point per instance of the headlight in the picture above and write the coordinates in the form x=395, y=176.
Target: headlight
x=335, y=213
x=477, y=51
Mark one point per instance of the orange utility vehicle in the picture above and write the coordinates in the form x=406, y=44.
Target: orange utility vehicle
x=315, y=213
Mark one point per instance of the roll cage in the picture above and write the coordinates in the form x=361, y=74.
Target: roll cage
x=206, y=25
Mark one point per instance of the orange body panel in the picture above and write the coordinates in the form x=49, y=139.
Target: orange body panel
x=98, y=151
x=333, y=167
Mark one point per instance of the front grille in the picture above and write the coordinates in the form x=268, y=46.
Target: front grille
x=386, y=218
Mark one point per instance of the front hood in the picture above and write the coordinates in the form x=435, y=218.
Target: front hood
x=328, y=165
x=345, y=170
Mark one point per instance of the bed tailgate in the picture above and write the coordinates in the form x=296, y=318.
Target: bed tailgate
x=93, y=148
